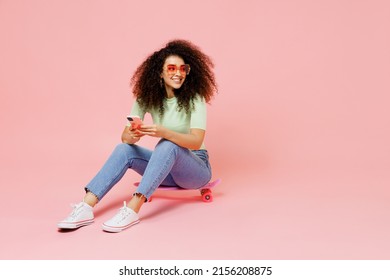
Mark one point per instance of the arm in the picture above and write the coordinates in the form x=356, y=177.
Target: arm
x=192, y=140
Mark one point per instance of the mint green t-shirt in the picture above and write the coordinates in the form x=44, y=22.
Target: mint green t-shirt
x=173, y=119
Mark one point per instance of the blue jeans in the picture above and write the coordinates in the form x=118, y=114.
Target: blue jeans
x=169, y=164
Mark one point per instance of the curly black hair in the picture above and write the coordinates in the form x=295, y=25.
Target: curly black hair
x=146, y=80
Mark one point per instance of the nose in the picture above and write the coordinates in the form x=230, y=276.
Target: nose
x=178, y=73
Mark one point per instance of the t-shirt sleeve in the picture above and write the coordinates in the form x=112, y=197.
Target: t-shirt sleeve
x=136, y=111
x=199, y=114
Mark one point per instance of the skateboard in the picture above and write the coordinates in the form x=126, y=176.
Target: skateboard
x=205, y=191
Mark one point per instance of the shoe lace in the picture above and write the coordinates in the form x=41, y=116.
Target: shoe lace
x=123, y=210
x=75, y=207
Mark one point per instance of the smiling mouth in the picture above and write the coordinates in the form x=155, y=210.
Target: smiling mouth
x=177, y=80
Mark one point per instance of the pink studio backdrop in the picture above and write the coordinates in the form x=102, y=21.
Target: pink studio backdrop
x=299, y=131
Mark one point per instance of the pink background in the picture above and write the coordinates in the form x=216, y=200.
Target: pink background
x=299, y=132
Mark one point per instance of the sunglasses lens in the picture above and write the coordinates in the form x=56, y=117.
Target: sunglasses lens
x=183, y=69
x=171, y=69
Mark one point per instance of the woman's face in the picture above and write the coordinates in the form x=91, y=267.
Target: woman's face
x=174, y=72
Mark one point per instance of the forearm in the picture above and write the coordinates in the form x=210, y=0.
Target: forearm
x=191, y=140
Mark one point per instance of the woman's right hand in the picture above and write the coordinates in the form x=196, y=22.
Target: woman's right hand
x=130, y=136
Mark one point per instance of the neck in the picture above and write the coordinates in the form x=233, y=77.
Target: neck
x=170, y=92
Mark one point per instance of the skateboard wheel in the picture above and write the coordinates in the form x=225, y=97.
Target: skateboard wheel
x=207, y=196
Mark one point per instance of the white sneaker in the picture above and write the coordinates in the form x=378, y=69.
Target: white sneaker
x=126, y=217
x=81, y=215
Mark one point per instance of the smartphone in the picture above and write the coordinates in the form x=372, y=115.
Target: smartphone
x=135, y=121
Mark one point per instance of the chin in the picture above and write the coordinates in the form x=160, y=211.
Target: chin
x=177, y=86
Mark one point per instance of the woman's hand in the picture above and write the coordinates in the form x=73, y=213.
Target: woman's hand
x=131, y=136
x=192, y=140
x=153, y=130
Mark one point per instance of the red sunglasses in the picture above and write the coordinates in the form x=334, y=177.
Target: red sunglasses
x=183, y=69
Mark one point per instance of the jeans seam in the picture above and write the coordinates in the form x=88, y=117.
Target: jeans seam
x=164, y=169
x=202, y=165
x=105, y=190
x=113, y=179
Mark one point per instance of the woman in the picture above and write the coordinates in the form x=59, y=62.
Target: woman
x=173, y=85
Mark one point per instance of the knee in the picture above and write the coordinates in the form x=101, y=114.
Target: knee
x=167, y=145
x=122, y=148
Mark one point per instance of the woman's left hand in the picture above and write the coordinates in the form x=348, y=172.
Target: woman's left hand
x=153, y=130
